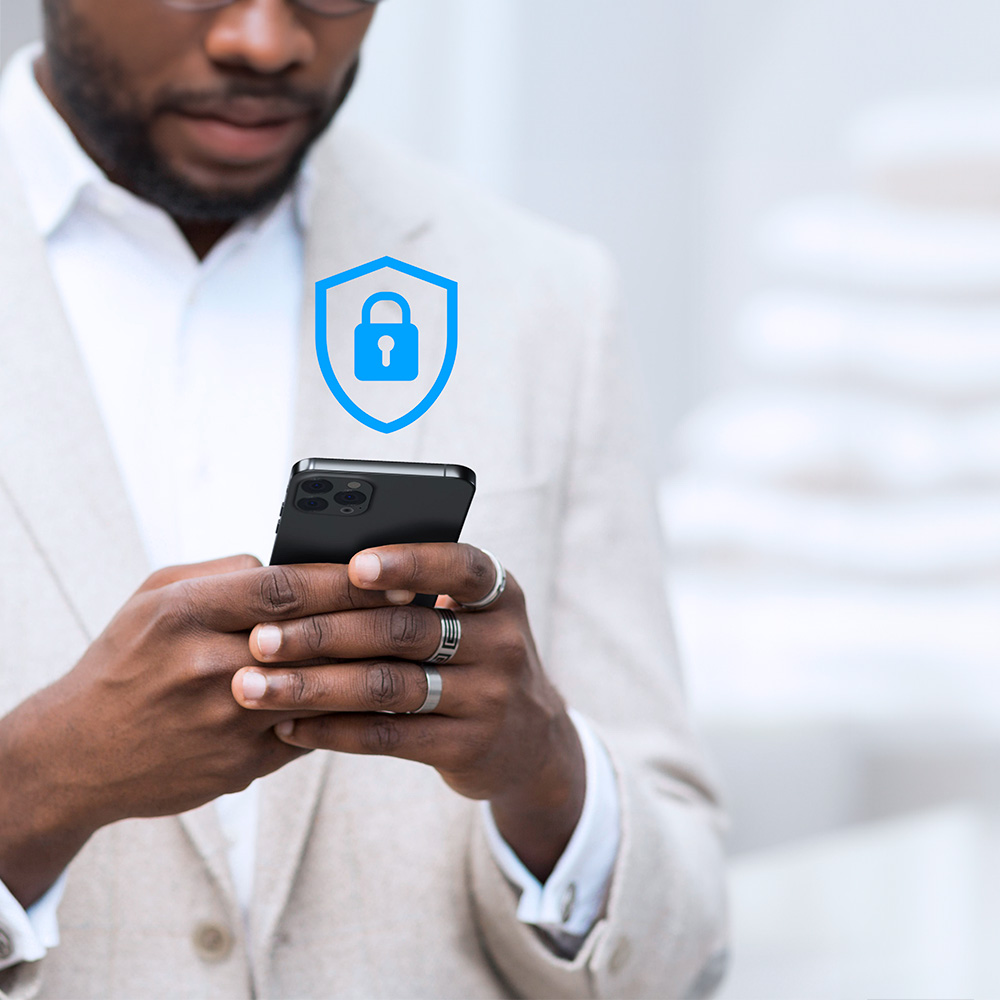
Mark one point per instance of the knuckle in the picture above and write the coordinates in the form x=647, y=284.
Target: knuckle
x=404, y=628
x=279, y=590
x=200, y=667
x=411, y=567
x=177, y=608
x=348, y=596
x=464, y=753
x=314, y=634
x=228, y=718
x=297, y=687
x=493, y=696
x=450, y=759
x=381, y=735
x=382, y=686
x=478, y=569
x=508, y=645
x=338, y=592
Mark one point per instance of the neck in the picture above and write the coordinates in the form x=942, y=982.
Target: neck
x=202, y=236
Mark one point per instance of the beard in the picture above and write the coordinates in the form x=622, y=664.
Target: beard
x=116, y=132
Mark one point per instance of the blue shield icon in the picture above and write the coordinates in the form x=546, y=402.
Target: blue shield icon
x=371, y=365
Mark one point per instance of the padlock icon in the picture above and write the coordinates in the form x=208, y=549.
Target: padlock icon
x=385, y=352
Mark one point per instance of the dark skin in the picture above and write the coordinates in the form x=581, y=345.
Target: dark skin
x=157, y=50
x=500, y=732
x=79, y=754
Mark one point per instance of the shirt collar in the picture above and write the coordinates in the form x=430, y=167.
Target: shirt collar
x=53, y=167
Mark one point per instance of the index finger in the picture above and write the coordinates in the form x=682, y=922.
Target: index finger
x=235, y=602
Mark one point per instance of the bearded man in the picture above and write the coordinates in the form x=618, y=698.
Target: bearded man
x=171, y=190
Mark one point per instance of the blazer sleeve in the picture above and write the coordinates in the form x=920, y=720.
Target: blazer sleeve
x=612, y=653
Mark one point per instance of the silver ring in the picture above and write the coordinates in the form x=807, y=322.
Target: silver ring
x=451, y=636
x=434, y=689
x=495, y=591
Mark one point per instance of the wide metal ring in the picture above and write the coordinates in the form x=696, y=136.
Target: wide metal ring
x=434, y=689
x=451, y=636
x=495, y=591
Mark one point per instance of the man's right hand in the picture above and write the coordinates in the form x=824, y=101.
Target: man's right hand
x=145, y=724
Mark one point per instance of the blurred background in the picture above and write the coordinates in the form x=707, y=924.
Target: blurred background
x=804, y=196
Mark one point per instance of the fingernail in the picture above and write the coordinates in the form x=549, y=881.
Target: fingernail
x=367, y=567
x=285, y=729
x=254, y=685
x=399, y=596
x=269, y=639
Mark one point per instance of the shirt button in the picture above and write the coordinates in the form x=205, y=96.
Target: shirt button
x=6, y=945
x=568, y=899
x=212, y=942
x=621, y=954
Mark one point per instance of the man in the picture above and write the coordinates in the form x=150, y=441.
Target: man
x=160, y=232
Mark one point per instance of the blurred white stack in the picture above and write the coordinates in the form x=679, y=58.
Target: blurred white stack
x=835, y=517
x=835, y=536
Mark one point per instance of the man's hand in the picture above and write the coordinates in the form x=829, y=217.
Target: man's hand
x=144, y=724
x=500, y=732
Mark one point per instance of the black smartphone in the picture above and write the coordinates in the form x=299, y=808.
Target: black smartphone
x=334, y=508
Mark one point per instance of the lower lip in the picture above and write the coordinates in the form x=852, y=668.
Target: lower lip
x=242, y=144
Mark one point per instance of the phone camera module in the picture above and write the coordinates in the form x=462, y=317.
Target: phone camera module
x=350, y=497
x=312, y=504
x=317, y=486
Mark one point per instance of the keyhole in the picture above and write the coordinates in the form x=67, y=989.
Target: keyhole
x=385, y=345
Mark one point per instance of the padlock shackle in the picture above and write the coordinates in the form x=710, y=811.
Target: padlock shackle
x=366, y=309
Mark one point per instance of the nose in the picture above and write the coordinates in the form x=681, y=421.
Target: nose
x=265, y=36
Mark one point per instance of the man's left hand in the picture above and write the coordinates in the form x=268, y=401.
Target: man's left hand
x=500, y=731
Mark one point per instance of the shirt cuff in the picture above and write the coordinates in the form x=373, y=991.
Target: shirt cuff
x=572, y=899
x=25, y=935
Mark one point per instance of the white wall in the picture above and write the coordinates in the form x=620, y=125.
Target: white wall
x=19, y=21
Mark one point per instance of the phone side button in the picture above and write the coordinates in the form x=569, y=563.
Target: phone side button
x=277, y=526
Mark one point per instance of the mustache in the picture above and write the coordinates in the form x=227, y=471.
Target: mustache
x=279, y=97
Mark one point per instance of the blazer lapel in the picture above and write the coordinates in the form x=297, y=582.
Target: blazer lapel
x=89, y=538
x=92, y=545
x=348, y=224
x=353, y=217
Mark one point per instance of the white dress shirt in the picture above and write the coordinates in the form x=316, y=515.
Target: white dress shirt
x=193, y=368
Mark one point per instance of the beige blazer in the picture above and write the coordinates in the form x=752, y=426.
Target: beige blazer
x=373, y=879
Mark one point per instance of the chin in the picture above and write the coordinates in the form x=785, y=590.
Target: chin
x=226, y=184
x=213, y=195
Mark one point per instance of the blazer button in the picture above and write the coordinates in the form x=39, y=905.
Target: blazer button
x=212, y=941
x=6, y=945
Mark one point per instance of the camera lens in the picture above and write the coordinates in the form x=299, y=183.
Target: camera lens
x=317, y=486
x=312, y=504
x=350, y=496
